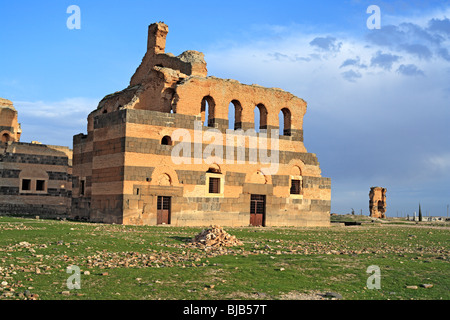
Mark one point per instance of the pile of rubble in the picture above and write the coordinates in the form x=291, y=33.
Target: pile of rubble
x=215, y=236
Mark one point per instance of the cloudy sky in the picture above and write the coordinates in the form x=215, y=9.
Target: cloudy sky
x=378, y=99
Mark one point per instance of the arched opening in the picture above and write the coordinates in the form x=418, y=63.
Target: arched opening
x=105, y=111
x=260, y=117
x=214, y=180
x=5, y=137
x=207, y=111
x=167, y=100
x=235, y=115
x=214, y=169
x=380, y=206
x=166, y=141
x=296, y=181
x=164, y=180
x=284, y=118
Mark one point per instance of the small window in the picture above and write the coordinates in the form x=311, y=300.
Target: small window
x=214, y=185
x=295, y=186
x=82, y=187
x=40, y=185
x=26, y=184
x=166, y=141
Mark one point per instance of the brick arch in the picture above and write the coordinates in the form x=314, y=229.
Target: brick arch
x=214, y=168
x=296, y=165
x=160, y=173
x=237, y=114
x=205, y=167
x=210, y=116
x=164, y=180
x=286, y=115
x=296, y=171
x=293, y=168
x=258, y=177
x=5, y=136
x=165, y=133
x=263, y=116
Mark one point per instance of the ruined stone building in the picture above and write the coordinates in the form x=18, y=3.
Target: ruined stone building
x=35, y=179
x=124, y=170
x=377, y=202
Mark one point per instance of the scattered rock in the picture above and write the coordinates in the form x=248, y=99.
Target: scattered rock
x=216, y=236
x=412, y=287
x=65, y=293
x=426, y=286
x=333, y=295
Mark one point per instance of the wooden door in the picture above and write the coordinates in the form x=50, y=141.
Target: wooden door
x=257, y=210
x=163, y=210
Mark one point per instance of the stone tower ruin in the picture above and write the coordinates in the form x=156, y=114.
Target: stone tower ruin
x=377, y=202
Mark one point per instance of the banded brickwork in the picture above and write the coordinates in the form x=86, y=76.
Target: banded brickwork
x=35, y=179
x=145, y=160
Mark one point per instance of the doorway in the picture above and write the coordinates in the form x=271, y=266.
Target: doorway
x=257, y=210
x=163, y=210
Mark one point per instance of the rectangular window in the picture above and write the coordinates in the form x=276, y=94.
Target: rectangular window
x=40, y=185
x=295, y=186
x=26, y=185
x=214, y=185
x=82, y=187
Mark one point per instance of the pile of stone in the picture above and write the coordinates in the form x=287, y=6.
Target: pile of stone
x=215, y=236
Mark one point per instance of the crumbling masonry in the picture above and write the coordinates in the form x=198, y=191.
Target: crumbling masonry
x=377, y=202
x=123, y=171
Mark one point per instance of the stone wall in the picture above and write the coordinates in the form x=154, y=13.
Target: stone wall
x=125, y=162
x=35, y=180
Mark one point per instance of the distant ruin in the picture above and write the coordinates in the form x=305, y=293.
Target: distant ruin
x=377, y=202
x=35, y=179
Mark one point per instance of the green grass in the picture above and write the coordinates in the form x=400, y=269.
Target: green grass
x=148, y=262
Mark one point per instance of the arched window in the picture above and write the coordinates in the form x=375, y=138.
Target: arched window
x=207, y=111
x=380, y=206
x=214, y=180
x=284, y=118
x=296, y=181
x=235, y=115
x=214, y=169
x=166, y=141
x=260, y=117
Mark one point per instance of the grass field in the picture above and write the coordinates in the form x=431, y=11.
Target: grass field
x=138, y=262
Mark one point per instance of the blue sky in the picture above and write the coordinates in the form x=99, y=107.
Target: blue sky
x=378, y=100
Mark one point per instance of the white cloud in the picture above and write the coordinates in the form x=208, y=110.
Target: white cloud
x=440, y=163
x=374, y=110
x=57, y=109
x=54, y=122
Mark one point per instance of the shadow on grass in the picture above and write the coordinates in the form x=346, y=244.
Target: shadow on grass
x=181, y=239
